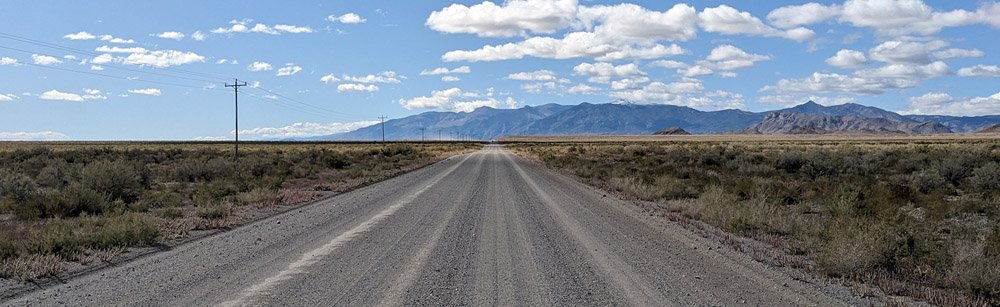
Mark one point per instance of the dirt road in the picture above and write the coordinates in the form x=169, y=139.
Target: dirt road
x=486, y=228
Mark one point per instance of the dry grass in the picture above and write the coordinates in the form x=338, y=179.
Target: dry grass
x=920, y=214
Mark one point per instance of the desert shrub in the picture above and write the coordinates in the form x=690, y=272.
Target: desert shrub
x=117, y=180
x=191, y=170
x=986, y=178
x=53, y=176
x=926, y=181
x=172, y=213
x=214, y=212
x=16, y=186
x=790, y=161
x=160, y=199
x=77, y=199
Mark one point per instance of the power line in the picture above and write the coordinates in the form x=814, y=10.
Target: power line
x=303, y=103
x=117, y=77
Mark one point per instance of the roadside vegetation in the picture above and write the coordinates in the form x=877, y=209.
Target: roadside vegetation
x=914, y=218
x=71, y=204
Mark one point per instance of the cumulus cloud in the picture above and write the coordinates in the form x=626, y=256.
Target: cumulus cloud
x=80, y=36
x=44, y=60
x=582, y=89
x=450, y=79
x=329, y=78
x=163, y=58
x=455, y=99
x=848, y=59
x=355, y=87
x=906, y=51
x=725, y=19
x=92, y=94
x=198, y=36
x=116, y=49
x=382, y=77
x=512, y=18
x=32, y=136
x=445, y=70
x=537, y=87
x=288, y=70
x=116, y=40
x=57, y=95
x=801, y=15
x=146, y=91
x=671, y=64
x=603, y=72
x=682, y=93
x=729, y=57
x=981, y=71
x=7, y=97
x=837, y=83
x=349, y=18
x=958, y=53
x=171, y=35
x=260, y=66
x=297, y=130
x=906, y=71
x=539, y=75
x=936, y=103
x=243, y=26
x=8, y=61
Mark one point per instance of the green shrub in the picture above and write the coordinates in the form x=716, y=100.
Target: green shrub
x=986, y=178
x=214, y=212
x=117, y=180
x=16, y=186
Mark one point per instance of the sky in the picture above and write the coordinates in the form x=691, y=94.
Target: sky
x=119, y=70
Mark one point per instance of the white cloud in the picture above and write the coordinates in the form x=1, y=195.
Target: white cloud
x=445, y=70
x=679, y=93
x=349, y=87
x=102, y=59
x=96, y=67
x=539, y=75
x=837, y=83
x=906, y=52
x=728, y=20
x=848, y=59
x=958, y=53
x=243, y=26
x=668, y=64
x=450, y=79
x=80, y=36
x=260, y=66
x=198, y=36
x=117, y=49
x=293, y=29
x=981, y=71
x=801, y=15
x=604, y=72
x=653, y=52
x=69, y=57
x=329, y=78
x=163, y=58
x=383, y=77
x=44, y=60
x=303, y=130
x=349, y=18
x=728, y=57
x=171, y=35
x=146, y=91
x=7, y=97
x=8, y=61
x=537, y=87
x=728, y=74
x=32, y=136
x=945, y=104
x=288, y=71
x=513, y=18
x=582, y=89
x=57, y=95
x=454, y=99
x=902, y=17
x=116, y=40
x=694, y=71
x=905, y=71
x=92, y=94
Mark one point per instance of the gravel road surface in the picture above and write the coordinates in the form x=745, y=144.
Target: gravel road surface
x=486, y=228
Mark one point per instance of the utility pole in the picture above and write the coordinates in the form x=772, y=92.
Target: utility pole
x=422, y=133
x=236, y=102
x=439, y=135
x=382, y=118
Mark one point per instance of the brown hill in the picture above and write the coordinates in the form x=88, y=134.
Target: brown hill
x=671, y=131
x=800, y=123
x=991, y=129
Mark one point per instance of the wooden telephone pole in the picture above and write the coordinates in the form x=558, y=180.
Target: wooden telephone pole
x=236, y=95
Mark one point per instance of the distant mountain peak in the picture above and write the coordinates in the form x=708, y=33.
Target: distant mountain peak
x=622, y=101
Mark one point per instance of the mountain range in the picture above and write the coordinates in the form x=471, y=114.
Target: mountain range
x=623, y=118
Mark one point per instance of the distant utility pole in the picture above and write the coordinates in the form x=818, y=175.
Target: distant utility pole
x=236, y=96
x=382, y=118
x=422, y=133
x=439, y=135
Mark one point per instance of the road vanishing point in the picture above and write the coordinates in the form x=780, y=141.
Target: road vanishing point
x=482, y=229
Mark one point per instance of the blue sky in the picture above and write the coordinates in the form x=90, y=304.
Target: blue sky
x=117, y=70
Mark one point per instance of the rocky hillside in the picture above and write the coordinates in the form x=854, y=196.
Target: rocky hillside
x=800, y=123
